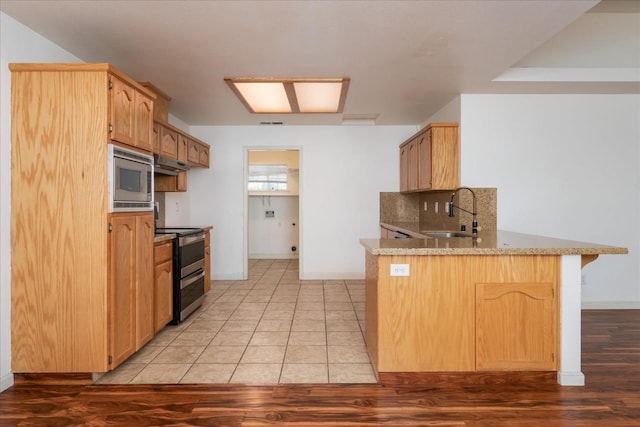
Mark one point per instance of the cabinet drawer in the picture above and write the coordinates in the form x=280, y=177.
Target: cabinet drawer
x=163, y=252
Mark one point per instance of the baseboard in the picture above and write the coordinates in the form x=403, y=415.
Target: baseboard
x=6, y=381
x=274, y=256
x=332, y=276
x=611, y=305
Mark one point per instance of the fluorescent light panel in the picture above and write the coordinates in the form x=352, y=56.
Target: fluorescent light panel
x=291, y=95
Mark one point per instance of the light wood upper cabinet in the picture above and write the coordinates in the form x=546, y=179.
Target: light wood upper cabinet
x=168, y=142
x=183, y=147
x=171, y=183
x=194, y=152
x=163, y=292
x=204, y=156
x=430, y=160
x=131, y=117
x=144, y=122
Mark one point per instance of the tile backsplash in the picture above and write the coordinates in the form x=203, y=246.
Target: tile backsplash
x=409, y=207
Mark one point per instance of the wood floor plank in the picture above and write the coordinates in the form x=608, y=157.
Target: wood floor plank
x=611, y=397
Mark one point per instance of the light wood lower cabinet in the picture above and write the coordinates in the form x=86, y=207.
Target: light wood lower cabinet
x=163, y=292
x=462, y=313
x=524, y=312
x=130, y=314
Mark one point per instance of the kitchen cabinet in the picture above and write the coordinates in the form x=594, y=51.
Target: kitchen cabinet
x=386, y=233
x=168, y=142
x=131, y=283
x=516, y=326
x=163, y=291
x=207, y=261
x=183, y=148
x=75, y=286
x=131, y=120
x=480, y=312
x=430, y=159
x=171, y=183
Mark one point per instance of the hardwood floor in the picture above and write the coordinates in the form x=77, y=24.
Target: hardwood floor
x=611, y=363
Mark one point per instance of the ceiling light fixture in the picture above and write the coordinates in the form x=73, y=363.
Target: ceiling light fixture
x=285, y=96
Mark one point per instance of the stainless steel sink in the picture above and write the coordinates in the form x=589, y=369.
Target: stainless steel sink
x=445, y=234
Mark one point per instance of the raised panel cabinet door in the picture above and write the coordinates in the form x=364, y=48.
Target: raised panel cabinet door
x=163, y=297
x=156, y=138
x=404, y=168
x=424, y=161
x=168, y=142
x=144, y=122
x=516, y=326
x=123, y=111
x=122, y=293
x=194, y=152
x=204, y=156
x=445, y=160
x=183, y=147
x=412, y=176
x=144, y=279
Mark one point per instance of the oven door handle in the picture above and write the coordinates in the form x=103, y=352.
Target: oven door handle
x=187, y=240
x=186, y=282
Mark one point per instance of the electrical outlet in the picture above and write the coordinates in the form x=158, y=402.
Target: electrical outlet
x=400, y=270
x=436, y=207
x=425, y=206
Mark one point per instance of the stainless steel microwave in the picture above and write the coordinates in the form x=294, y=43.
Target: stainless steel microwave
x=130, y=180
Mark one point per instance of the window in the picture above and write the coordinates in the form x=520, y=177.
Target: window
x=267, y=177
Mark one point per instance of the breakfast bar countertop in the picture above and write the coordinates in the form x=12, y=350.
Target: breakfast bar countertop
x=498, y=243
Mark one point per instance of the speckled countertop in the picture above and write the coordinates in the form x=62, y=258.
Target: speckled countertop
x=498, y=243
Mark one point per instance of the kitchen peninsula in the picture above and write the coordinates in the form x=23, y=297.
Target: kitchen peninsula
x=502, y=302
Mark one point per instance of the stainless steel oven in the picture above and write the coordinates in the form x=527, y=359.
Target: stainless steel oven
x=130, y=180
x=188, y=270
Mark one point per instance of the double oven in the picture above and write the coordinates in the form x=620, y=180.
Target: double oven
x=188, y=270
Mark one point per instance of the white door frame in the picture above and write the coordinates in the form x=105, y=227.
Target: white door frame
x=245, y=209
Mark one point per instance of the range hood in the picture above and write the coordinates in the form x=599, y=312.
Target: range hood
x=168, y=166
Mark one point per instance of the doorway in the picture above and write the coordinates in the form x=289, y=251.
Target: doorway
x=272, y=207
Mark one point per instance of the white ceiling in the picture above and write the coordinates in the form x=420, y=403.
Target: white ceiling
x=406, y=59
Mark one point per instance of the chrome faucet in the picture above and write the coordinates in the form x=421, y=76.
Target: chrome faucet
x=474, y=213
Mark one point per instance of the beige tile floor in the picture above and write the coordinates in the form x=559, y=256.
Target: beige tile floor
x=270, y=329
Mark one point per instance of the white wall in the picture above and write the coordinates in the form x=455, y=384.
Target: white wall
x=565, y=166
x=342, y=171
x=17, y=44
x=273, y=237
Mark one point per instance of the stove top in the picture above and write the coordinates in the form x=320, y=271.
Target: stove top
x=180, y=231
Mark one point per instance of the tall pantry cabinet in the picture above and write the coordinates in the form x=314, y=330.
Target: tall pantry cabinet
x=79, y=276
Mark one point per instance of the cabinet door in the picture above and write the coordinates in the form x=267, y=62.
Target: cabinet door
x=445, y=158
x=122, y=298
x=412, y=175
x=156, y=138
x=144, y=122
x=123, y=110
x=183, y=148
x=204, y=156
x=404, y=168
x=516, y=326
x=144, y=279
x=168, y=142
x=163, y=298
x=194, y=152
x=424, y=161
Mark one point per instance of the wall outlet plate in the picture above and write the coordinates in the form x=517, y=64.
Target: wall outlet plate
x=269, y=214
x=400, y=270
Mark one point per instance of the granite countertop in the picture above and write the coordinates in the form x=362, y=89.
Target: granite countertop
x=498, y=243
